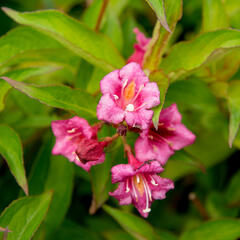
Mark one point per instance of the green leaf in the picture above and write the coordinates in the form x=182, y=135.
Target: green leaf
x=233, y=191
x=234, y=109
x=40, y=169
x=117, y=235
x=94, y=47
x=113, y=30
x=73, y=231
x=158, y=8
x=11, y=150
x=24, y=215
x=163, y=83
x=187, y=56
x=226, y=229
x=214, y=15
x=136, y=226
x=62, y=97
x=161, y=36
x=102, y=171
x=60, y=181
x=21, y=40
x=217, y=207
x=20, y=75
x=233, y=10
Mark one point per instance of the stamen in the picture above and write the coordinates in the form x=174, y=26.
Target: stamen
x=72, y=130
x=148, y=195
x=138, y=179
x=127, y=187
x=77, y=158
x=129, y=108
x=139, y=90
x=115, y=97
x=153, y=182
x=134, y=190
x=124, y=85
x=171, y=129
x=141, y=106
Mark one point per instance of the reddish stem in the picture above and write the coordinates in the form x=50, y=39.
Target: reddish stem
x=100, y=16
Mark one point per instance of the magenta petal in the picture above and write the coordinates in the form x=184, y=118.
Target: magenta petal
x=146, y=149
x=143, y=149
x=107, y=110
x=151, y=95
x=67, y=133
x=111, y=83
x=133, y=71
x=121, y=171
x=89, y=164
x=164, y=185
x=141, y=39
x=141, y=118
x=151, y=168
x=170, y=115
x=60, y=127
x=65, y=147
x=137, y=57
x=182, y=137
x=121, y=195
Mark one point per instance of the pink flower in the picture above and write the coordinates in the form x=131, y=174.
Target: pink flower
x=127, y=95
x=139, y=184
x=77, y=141
x=171, y=135
x=140, y=47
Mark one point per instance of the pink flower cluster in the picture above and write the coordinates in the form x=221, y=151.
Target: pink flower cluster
x=126, y=103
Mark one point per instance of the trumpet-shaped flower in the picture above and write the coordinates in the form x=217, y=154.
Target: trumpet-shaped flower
x=128, y=95
x=139, y=184
x=140, y=47
x=77, y=141
x=171, y=135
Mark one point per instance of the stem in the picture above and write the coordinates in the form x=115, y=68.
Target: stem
x=110, y=139
x=199, y=206
x=100, y=16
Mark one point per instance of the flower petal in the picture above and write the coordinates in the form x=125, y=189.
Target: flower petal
x=150, y=95
x=61, y=127
x=143, y=149
x=89, y=164
x=170, y=115
x=141, y=39
x=147, y=149
x=141, y=118
x=137, y=56
x=121, y=195
x=108, y=110
x=151, y=168
x=181, y=137
x=133, y=71
x=111, y=83
x=164, y=185
x=121, y=171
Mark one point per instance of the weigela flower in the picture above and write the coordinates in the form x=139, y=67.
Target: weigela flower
x=77, y=141
x=171, y=135
x=128, y=95
x=139, y=184
x=140, y=47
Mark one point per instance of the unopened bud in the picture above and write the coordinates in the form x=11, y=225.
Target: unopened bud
x=122, y=130
x=90, y=150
